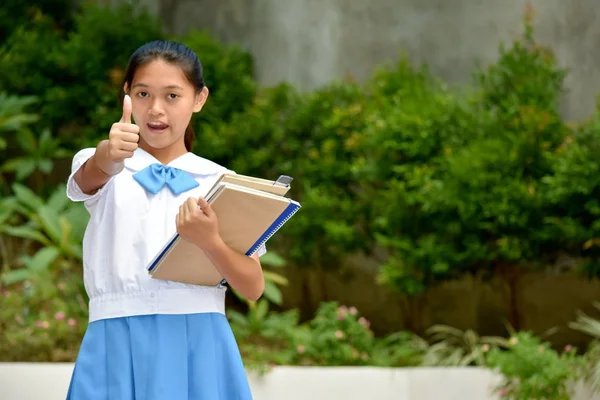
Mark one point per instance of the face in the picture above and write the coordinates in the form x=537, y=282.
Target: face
x=163, y=102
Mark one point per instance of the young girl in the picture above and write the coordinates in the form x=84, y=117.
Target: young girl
x=149, y=339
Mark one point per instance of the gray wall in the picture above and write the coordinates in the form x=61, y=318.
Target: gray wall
x=311, y=42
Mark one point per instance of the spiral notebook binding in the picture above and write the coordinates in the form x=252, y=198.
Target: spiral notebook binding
x=272, y=232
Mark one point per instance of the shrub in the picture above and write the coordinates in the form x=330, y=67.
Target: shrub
x=532, y=370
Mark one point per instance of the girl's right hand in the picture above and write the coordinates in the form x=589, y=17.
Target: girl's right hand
x=122, y=142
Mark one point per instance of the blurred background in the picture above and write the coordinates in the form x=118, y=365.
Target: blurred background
x=446, y=154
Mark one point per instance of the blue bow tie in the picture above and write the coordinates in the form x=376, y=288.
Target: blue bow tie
x=155, y=176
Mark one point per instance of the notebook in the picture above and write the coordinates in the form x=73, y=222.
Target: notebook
x=280, y=187
x=248, y=218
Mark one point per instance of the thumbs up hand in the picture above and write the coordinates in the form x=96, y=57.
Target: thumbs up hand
x=122, y=142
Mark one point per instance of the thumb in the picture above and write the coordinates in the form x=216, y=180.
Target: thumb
x=126, y=117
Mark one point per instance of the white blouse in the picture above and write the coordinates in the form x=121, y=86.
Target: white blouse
x=127, y=227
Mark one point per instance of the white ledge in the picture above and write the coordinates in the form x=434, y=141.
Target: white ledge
x=49, y=381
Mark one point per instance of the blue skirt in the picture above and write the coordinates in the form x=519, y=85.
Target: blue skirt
x=160, y=357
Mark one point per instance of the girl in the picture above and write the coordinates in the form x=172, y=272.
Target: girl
x=151, y=339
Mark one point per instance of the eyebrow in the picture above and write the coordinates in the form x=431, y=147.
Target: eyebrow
x=166, y=87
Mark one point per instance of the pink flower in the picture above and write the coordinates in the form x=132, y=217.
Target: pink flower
x=339, y=334
x=503, y=392
x=341, y=312
x=364, y=322
x=568, y=348
x=42, y=324
x=71, y=322
x=300, y=349
x=59, y=316
x=353, y=310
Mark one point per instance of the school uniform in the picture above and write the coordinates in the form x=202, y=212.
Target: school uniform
x=149, y=339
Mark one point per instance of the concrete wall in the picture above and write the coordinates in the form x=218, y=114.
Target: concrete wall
x=311, y=42
x=51, y=381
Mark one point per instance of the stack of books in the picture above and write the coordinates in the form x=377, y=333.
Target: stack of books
x=249, y=210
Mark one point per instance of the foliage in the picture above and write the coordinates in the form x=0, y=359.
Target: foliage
x=591, y=327
x=336, y=335
x=228, y=74
x=43, y=307
x=453, y=347
x=532, y=369
x=76, y=70
x=444, y=180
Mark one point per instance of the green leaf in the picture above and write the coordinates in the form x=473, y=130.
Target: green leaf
x=50, y=223
x=42, y=259
x=237, y=317
x=45, y=165
x=275, y=278
x=15, y=276
x=262, y=309
x=27, y=141
x=27, y=232
x=25, y=169
x=272, y=293
x=65, y=228
x=27, y=197
x=272, y=259
x=58, y=200
x=12, y=164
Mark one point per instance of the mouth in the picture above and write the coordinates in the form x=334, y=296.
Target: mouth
x=157, y=126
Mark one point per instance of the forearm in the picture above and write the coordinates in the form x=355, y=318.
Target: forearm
x=243, y=273
x=90, y=177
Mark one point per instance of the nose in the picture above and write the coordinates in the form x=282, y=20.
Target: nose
x=156, y=108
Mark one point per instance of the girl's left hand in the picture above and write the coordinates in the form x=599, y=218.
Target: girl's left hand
x=197, y=223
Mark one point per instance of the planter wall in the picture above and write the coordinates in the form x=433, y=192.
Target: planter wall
x=34, y=381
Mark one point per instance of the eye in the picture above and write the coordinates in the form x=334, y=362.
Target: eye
x=142, y=94
x=173, y=96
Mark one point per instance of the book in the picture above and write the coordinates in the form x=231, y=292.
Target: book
x=280, y=187
x=248, y=218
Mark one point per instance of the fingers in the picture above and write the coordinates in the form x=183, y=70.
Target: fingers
x=182, y=213
x=205, y=206
x=127, y=107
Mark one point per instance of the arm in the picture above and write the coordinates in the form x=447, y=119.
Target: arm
x=198, y=224
x=90, y=177
x=243, y=273
x=108, y=160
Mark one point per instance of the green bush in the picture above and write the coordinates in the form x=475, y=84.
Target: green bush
x=445, y=180
x=532, y=370
x=76, y=71
x=336, y=335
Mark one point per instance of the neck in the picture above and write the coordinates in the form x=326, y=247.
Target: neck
x=164, y=155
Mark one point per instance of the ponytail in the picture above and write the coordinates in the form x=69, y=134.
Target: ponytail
x=189, y=137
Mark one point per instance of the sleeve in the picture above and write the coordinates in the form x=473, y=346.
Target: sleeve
x=74, y=192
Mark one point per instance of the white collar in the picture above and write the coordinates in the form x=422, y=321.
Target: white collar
x=188, y=162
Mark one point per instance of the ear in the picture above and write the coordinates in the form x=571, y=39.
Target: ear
x=126, y=88
x=200, y=99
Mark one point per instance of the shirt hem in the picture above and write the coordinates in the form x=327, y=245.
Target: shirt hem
x=160, y=301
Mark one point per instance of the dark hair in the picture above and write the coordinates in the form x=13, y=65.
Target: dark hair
x=172, y=53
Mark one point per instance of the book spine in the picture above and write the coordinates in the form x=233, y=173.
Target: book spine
x=279, y=222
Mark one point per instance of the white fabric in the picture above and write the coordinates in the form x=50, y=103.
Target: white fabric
x=127, y=227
